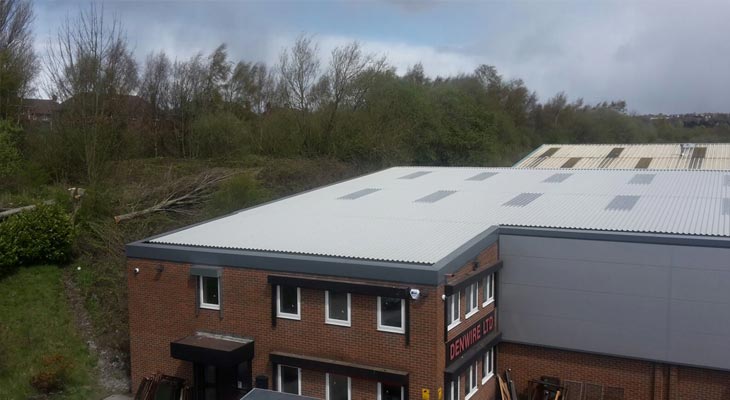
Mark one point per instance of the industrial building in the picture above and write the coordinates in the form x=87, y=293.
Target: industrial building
x=426, y=282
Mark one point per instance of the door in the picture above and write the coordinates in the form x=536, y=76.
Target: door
x=222, y=383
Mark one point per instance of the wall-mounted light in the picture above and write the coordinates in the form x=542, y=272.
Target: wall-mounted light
x=136, y=271
x=415, y=294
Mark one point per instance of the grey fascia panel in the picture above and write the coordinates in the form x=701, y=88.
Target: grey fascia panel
x=622, y=203
x=481, y=176
x=415, y=175
x=522, y=199
x=423, y=274
x=642, y=179
x=435, y=196
x=358, y=194
x=557, y=178
x=465, y=253
x=205, y=270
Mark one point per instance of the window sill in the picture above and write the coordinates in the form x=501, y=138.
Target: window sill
x=470, y=394
x=289, y=316
x=391, y=329
x=486, y=303
x=487, y=378
x=337, y=322
x=453, y=325
x=210, y=306
x=471, y=313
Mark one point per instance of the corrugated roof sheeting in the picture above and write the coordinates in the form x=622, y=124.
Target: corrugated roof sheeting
x=392, y=226
x=599, y=156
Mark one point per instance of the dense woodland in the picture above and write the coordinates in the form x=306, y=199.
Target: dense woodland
x=135, y=130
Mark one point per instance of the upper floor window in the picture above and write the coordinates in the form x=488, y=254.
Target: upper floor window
x=289, y=379
x=209, y=292
x=391, y=314
x=338, y=387
x=472, y=299
x=471, y=381
x=488, y=365
x=488, y=289
x=453, y=310
x=390, y=392
x=337, y=308
x=288, y=302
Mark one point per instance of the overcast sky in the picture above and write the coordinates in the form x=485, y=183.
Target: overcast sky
x=663, y=56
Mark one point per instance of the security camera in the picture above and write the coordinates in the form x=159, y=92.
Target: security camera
x=136, y=271
x=415, y=294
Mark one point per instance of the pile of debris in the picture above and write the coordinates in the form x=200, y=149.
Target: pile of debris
x=163, y=387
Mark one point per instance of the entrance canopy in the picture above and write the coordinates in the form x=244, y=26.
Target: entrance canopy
x=212, y=349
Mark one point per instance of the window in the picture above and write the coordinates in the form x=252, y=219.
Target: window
x=390, y=392
x=488, y=289
x=454, y=389
x=209, y=292
x=472, y=299
x=471, y=381
x=391, y=314
x=337, y=308
x=290, y=380
x=453, y=310
x=488, y=365
x=338, y=387
x=287, y=302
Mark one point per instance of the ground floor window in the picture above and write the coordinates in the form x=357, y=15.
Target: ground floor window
x=290, y=379
x=390, y=392
x=488, y=365
x=471, y=381
x=338, y=387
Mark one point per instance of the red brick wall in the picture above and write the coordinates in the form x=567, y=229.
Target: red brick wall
x=640, y=380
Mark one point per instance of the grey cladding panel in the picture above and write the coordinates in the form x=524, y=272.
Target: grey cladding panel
x=725, y=206
x=642, y=179
x=622, y=203
x=557, y=178
x=435, y=196
x=481, y=176
x=727, y=180
x=522, y=199
x=672, y=308
x=358, y=194
x=415, y=175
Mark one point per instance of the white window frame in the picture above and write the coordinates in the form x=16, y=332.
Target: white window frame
x=393, y=329
x=488, y=290
x=278, y=378
x=339, y=322
x=472, y=381
x=203, y=304
x=349, y=387
x=380, y=392
x=454, y=389
x=472, y=294
x=280, y=314
x=453, y=323
x=487, y=374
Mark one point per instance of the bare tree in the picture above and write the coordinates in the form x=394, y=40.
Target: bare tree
x=91, y=67
x=299, y=71
x=155, y=89
x=251, y=86
x=18, y=61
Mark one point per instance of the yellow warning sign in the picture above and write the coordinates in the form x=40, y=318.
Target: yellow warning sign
x=425, y=394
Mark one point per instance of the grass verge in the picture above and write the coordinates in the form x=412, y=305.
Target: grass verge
x=35, y=323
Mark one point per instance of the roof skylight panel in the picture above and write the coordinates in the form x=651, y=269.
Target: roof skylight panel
x=622, y=203
x=522, y=199
x=415, y=175
x=557, y=178
x=435, y=196
x=358, y=194
x=642, y=179
x=481, y=176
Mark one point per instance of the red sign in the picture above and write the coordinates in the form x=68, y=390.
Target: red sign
x=456, y=347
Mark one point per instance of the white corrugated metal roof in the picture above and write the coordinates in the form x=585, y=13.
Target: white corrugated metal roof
x=663, y=156
x=389, y=224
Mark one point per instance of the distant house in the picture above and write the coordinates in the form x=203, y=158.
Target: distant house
x=39, y=110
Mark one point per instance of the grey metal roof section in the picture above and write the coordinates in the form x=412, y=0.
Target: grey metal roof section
x=435, y=196
x=642, y=179
x=415, y=175
x=557, y=178
x=481, y=176
x=358, y=194
x=622, y=203
x=522, y=199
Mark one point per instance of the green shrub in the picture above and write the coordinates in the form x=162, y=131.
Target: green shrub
x=43, y=235
x=54, y=374
x=237, y=192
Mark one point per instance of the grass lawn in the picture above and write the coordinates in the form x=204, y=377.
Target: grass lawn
x=35, y=321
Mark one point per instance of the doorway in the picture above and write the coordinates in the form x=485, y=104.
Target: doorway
x=215, y=382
